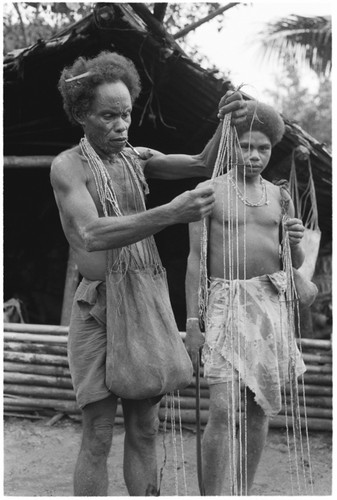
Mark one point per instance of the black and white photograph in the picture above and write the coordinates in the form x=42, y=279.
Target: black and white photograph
x=167, y=249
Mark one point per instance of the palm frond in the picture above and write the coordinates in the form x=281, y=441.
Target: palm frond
x=302, y=39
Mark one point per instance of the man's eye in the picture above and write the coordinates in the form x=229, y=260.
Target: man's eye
x=126, y=115
x=244, y=146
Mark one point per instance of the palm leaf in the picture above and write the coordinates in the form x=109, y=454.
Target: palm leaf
x=303, y=40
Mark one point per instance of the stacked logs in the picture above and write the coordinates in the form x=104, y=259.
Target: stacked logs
x=37, y=378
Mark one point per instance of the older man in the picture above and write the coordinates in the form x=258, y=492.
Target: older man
x=93, y=182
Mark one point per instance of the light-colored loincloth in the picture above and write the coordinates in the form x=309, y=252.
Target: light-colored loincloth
x=87, y=342
x=248, y=336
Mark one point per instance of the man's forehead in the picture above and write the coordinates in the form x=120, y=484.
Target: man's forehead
x=114, y=94
x=254, y=136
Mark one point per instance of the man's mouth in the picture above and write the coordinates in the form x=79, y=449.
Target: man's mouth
x=120, y=140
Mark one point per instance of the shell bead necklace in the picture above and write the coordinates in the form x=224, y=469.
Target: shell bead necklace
x=262, y=201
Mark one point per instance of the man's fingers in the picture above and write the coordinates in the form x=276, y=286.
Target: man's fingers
x=232, y=103
x=204, y=191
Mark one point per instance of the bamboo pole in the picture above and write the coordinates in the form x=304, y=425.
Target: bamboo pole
x=188, y=416
x=57, y=371
x=317, y=358
x=35, y=328
x=30, y=337
x=28, y=161
x=315, y=343
x=189, y=404
x=62, y=405
x=37, y=380
x=31, y=392
x=33, y=347
x=39, y=359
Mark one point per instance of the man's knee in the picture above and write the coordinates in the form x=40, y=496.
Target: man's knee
x=142, y=426
x=98, y=431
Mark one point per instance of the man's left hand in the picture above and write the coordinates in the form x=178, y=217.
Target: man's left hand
x=233, y=102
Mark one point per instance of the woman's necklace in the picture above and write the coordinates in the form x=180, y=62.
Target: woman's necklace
x=262, y=201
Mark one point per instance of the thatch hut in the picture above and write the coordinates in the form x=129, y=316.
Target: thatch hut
x=176, y=112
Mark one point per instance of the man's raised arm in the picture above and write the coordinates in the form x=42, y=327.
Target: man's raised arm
x=179, y=166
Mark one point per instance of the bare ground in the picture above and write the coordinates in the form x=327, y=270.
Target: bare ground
x=39, y=460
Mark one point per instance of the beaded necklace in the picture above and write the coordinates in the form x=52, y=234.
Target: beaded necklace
x=262, y=201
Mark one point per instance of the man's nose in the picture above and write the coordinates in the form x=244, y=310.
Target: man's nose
x=254, y=154
x=121, y=125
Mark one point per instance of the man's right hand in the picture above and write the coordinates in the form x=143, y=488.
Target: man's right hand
x=194, y=205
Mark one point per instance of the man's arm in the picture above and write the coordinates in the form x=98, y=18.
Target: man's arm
x=179, y=166
x=194, y=337
x=84, y=228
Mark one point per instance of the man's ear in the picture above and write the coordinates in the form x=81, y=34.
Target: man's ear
x=79, y=116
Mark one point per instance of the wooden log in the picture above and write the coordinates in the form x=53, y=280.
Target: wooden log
x=190, y=392
x=186, y=402
x=319, y=368
x=320, y=401
x=314, y=343
x=57, y=371
x=33, y=347
x=316, y=379
x=37, y=380
x=313, y=424
x=317, y=358
x=38, y=392
x=38, y=359
x=189, y=404
x=31, y=337
x=36, y=329
x=58, y=405
x=188, y=416
x=28, y=161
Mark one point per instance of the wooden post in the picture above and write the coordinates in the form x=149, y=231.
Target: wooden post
x=71, y=283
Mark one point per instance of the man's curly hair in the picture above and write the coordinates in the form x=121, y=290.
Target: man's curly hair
x=107, y=67
x=263, y=118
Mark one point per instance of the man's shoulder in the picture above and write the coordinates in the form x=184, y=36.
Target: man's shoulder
x=67, y=166
x=68, y=155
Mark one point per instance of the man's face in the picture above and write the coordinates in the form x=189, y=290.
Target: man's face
x=108, y=120
x=255, y=152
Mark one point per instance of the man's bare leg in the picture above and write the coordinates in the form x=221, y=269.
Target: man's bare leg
x=140, y=457
x=91, y=477
x=257, y=431
x=218, y=442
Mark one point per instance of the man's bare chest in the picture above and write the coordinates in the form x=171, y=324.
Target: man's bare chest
x=124, y=185
x=231, y=211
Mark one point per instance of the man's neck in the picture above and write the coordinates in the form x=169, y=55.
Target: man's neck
x=243, y=179
x=104, y=156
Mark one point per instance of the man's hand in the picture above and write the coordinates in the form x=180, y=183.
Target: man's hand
x=295, y=230
x=233, y=102
x=194, y=339
x=191, y=206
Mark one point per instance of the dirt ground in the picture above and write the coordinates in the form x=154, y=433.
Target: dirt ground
x=39, y=460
